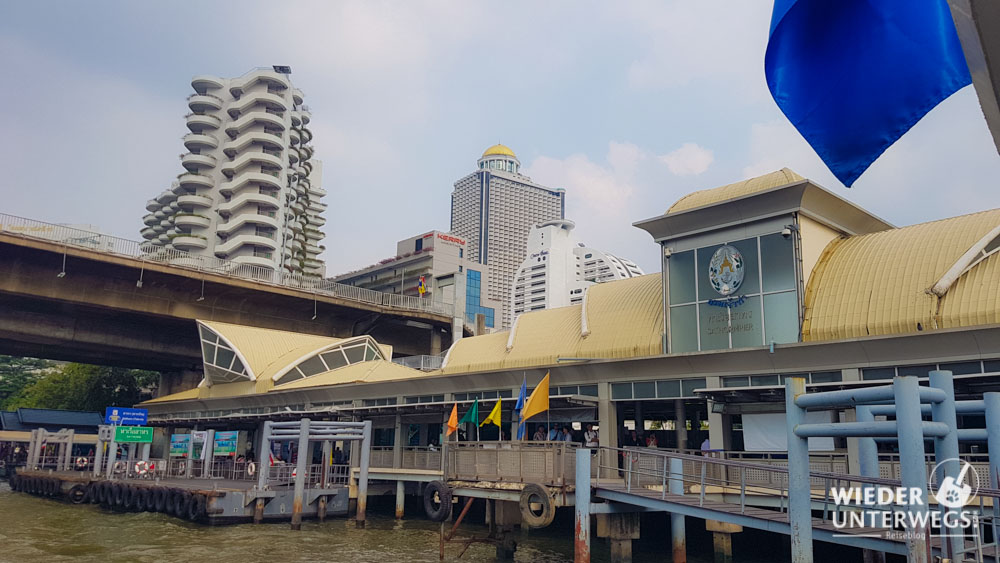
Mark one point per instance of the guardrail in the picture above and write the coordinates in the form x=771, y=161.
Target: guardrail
x=545, y=463
x=413, y=457
x=149, y=252
x=423, y=362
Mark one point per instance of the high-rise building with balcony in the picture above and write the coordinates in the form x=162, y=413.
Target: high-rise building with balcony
x=493, y=209
x=558, y=269
x=250, y=190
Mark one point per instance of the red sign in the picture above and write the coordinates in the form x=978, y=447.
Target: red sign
x=452, y=239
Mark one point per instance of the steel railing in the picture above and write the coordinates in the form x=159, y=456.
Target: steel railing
x=149, y=252
x=545, y=463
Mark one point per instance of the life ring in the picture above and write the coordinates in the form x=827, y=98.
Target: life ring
x=120, y=466
x=439, y=510
x=251, y=469
x=141, y=468
x=82, y=463
x=534, y=494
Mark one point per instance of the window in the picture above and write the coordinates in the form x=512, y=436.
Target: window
x=418, y=245
x=220, y=362
x=336, y=357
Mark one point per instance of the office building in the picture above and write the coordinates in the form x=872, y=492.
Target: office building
x=250, y=188
x=559, y=268
x=438, y=259
x=494, y=208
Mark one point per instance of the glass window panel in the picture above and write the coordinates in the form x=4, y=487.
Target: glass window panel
x=781, y=317
x=621, y=390
x=644, y=389
x=507, y=393
x=435, y=399
x=963, y=368
x=826, y=377
x=777, y=263
x=568, y=390
x=703, y=257
x=355, y=354
x=919, y=371
x=991, y=366
x=369, y=354
x=746, y=325
x=739, y=381
x=312, y=366
x=208, y=352
x=588, y=390
x=413, y=400
x=757, y=380
x=689, y=385
x=683, y=329
x=289, y=377
x=334, y=359
x=878, y=373
x=224, y=357
x=751, y=280
x=714, y=327
x=682, y=277
x=208, y=335
x=237, y=366
x=668, y=388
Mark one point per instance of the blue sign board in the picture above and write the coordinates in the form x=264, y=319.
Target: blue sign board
x=125, y=417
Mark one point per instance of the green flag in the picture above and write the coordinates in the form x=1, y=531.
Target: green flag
x=471, y=415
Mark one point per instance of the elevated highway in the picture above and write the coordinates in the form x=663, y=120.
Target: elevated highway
x=77, y=296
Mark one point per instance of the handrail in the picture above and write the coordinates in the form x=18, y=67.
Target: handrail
x=107, y=244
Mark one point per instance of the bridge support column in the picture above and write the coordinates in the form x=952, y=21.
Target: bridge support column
x=400, y=498
x=435, y=342
x=507, y=515
x=867, y=454
x=301, y=471
x=722, y=539
x=799, y=505
x=946, y=456
x=680, y=424
x=581, y=533
x=678, y=534
x=912, y=466
x=621, y=528
x=397, y=462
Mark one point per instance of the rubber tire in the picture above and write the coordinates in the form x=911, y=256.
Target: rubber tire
x=53, y=487
x=88, y=496
x=117, y=495
x=104, y=494
x=536, y=493
x=182, y=503
x=160, y=499
x=146, y=494
x=77, y=494
x=196, y=510
x=443, y=510
x=13, y=482
x=136, y=504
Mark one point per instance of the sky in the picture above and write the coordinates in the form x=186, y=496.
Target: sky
x=628, y=106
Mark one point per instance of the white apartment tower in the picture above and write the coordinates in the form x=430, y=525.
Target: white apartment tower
x=558, y=269
x=494, y=208
x=250, y=190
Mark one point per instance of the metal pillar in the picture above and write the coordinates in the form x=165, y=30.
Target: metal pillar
x=301, y=468
x=799, y=506
x=324, y=480
x=112, y=453
x=397, y=462
x=263, y=464
x=678, y=537
x=98, y=457
x=208, y=452
x=145, y=452
x=581, y=537
x=992, y=402
x=911, y=463
x=190, y=456
x=366, y=451
x=946, y=456
x=868, y=465
x=680, y=424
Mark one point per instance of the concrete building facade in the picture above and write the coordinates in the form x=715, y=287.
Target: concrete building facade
x=559, y=268
x=250, y=191
x=494, y=208
x=440, y=260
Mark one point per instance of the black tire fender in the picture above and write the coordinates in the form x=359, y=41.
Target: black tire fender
x=440, y=512
x=137, y=504
x=533, y=493
x=182, y=503
x=77, y=494
x=196, y=510
x=128, y=493
x=160, y=499
x=117, y=494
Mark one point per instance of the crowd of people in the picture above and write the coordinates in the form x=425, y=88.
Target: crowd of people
x=588, y=437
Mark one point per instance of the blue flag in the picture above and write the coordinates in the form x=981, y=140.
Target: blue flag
x=854, y=75
x=521, y=398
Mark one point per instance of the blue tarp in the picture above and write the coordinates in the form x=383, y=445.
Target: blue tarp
x=854, y=75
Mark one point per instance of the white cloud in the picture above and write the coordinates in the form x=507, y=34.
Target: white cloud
x=689, y=160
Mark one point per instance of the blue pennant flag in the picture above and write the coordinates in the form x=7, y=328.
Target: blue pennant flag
x=854, y=75
x=521, y=398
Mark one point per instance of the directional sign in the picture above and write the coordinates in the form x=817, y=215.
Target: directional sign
x=125, y=417
x=133, y=434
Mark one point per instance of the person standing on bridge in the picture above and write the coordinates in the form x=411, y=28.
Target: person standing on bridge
x=540, y=434
x=591, y=437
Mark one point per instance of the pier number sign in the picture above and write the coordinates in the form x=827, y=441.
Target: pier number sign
x=134, y=434
x=120, y=416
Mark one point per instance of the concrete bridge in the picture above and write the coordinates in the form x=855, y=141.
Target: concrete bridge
x=71, y=295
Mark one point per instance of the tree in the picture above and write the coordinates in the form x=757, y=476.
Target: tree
x=18, y=373
x=87, y=388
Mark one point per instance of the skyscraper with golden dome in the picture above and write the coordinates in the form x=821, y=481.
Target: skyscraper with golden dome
x=494, y=208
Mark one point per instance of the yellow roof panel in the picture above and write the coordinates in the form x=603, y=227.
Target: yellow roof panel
x=179, y=396
x=363, y=372
x=267, y=351
x=736, y=190
x=625, y=319
x=879, y=283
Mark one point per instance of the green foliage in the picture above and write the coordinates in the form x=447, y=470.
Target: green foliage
x=85, y=387
x=16, y=374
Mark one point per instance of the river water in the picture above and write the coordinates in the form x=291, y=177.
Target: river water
x=34, y=529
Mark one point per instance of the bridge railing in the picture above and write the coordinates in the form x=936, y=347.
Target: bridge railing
x=413, y=457
x=146, y=251
x=545, y=463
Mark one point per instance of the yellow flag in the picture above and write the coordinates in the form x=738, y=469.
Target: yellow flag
x=453, y=420
x=538, y=401
x=494, y=416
